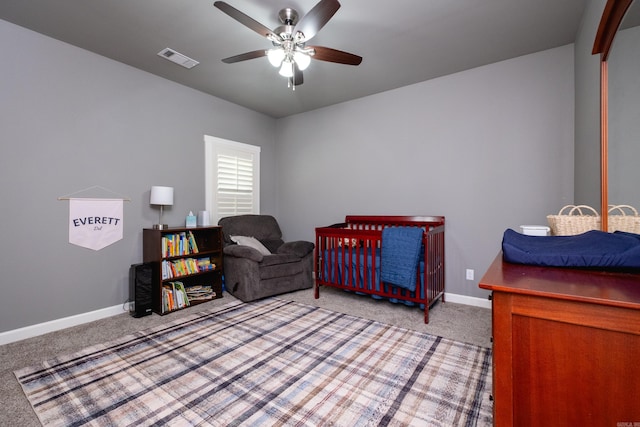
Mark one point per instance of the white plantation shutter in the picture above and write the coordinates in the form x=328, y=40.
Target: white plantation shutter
x=235, y=185
x=232, y=178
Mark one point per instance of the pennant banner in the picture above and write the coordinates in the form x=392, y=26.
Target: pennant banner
x=95, y=223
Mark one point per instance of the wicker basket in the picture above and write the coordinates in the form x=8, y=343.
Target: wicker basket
x=623, y=218
x=574, y=221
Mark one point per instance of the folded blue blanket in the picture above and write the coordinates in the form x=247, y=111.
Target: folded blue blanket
x=593, y=249
x=401, y=247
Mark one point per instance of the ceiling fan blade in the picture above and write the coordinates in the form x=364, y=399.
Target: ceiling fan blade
x=245, y=56
x=316, y=18
x=334, y=55
x=297, y=78
x=247, y=21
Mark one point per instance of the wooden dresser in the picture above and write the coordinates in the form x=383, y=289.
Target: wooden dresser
x=566, y=346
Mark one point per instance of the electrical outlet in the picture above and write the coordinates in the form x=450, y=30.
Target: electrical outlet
x=469, y=274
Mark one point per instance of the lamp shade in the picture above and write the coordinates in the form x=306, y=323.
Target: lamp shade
x=302, y=59
x=287, y=68
x=275, y=56
x=161, y=196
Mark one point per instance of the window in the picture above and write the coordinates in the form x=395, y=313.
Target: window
x=232, y=174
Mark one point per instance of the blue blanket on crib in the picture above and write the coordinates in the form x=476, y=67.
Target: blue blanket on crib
x=401, y=247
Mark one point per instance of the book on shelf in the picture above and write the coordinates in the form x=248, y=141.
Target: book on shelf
x=185, y=267
x=180, y=291
x=200, y=293
x=174, y=296
x=167, y=298
x=193, y=246
x=179, y=244
x=205, y=264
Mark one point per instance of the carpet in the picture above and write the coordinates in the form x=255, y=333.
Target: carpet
x=270, y=362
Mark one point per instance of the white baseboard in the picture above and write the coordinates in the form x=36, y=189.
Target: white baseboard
x=58, y=324
x=463, y=299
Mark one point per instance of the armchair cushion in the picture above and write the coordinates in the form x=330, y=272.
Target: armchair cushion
x=279, y=259
x=280, y=266
x=262, y=227
x=272, y=244
x=241, y=251
x=298, y=248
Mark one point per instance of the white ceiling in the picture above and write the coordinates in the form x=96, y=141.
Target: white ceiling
x=402, y=41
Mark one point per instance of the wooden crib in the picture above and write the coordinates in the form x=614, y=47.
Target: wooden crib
x=347, y=256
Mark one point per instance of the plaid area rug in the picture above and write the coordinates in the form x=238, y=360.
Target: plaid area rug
x=270, y=362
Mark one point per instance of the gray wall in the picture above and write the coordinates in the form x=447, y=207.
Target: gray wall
x=70, y=119
x=587, y=101
x=624, y=118
x=489, y=148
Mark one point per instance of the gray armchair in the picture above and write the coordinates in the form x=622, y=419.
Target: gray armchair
x=251, y=274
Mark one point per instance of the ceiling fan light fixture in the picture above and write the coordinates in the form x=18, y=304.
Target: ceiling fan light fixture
x=289, y=52
x=302, y=60
x=275, y=56
x=287, y=68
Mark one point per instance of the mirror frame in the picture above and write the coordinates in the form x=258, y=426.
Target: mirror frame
x=612, y=16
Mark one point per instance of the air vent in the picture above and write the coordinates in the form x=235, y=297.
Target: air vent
x=178, y=58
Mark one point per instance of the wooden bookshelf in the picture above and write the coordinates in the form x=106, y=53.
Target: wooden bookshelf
x=184, y=257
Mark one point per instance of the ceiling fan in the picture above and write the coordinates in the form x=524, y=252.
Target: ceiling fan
x=290, y=52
